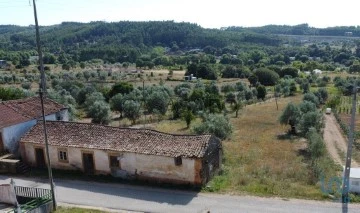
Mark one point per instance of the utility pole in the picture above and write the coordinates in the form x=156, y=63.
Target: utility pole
x=144, y=103
x=42, y=90
x=345, y=186
x=276, y=95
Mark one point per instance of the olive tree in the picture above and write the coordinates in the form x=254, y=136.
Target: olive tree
x=290, y=116
x=310, y=120
x=117, y=103
x=157, y=101
x=215, y=124
x=100, y=112
x=316, y=146
x=132, y=110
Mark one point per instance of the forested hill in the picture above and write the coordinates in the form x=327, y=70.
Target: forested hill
x=135, y=34
x=126, y=41
x=301, y=29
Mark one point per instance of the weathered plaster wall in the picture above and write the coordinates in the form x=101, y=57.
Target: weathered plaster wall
x=12, y=135
x=355, y=185
x=101, y=158
x=131, y=164
x=158, y=167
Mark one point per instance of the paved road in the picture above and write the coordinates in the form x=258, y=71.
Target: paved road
x=146, y=199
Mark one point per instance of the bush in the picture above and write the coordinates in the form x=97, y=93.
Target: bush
x=132, y=110
x=311, y=97
x=92, y=98
x=215, y=124
x=204, y=71
x=11, y=94
x=316, y=146
x=122, y=88
x=261, y=92
x=290, y=71
x=100, y=112
x=311, y=120
x=158, y=101
x=266, y=77
x=26, y=85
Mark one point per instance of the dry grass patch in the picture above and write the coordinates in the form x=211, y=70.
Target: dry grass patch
x=258, y=161
x=175, y=126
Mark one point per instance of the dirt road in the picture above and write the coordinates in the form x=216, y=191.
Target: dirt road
x=335, y=142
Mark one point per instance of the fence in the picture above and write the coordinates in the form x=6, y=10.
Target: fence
x=33, y=199
x=31, y=192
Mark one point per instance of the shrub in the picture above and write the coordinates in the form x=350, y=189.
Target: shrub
x=316, y=146
x=266, y=76
x=132, y=110
x=215, y=124
x=100, y=112
x=26, y=85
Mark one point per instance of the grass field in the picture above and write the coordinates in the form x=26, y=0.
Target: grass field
x=259, y=159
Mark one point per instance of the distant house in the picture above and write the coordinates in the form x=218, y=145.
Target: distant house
x=124, y=152
x=18, y=116
x=2, y=64
x=354, y=180
x=189, y=78
x=317, y=71
x=348, y=33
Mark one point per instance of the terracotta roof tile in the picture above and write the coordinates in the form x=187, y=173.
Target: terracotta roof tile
x=144, y=141
x=9, y=117
x=18, y=111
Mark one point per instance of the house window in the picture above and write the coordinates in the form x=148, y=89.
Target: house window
x=355, y=183
x=178, y=161
x=114, y=161
x=58, y=116
x=63, y=156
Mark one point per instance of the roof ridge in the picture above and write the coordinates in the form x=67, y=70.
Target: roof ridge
x=15, y=110
x=128, y=128
x=142, y=141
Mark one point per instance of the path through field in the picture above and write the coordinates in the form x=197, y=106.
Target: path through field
x=335, y=141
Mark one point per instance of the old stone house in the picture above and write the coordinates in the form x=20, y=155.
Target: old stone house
x=18, y=116
x=124, y=152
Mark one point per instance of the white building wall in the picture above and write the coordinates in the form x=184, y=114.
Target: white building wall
x=132, y=164
x=28, y=153
x=161, y=167
x=354, y=185
x=12, y=134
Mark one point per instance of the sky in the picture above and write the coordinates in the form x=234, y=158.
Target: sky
x=206, y=13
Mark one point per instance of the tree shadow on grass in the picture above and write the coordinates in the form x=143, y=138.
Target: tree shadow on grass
x=287, y=136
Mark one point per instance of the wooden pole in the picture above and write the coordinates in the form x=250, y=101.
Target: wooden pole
x=42, y=90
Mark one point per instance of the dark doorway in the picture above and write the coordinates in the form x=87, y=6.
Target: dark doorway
x=88, y=162
x=40, y=157
x=1, y=143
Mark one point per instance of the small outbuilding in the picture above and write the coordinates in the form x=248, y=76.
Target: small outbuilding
x=317, y=72
x=354, y=180
x=2, y=64
x=125, y=152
